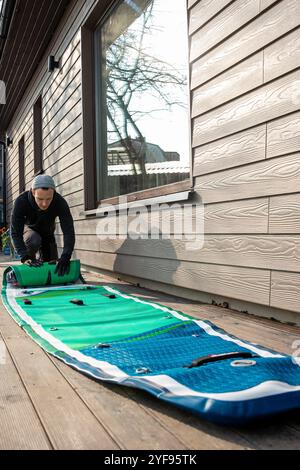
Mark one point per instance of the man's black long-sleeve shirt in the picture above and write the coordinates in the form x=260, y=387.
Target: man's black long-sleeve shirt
x=26, y=211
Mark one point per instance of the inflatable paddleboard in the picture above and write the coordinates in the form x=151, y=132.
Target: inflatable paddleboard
x=121, y=338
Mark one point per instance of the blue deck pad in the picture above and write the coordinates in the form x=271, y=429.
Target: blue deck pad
x=170, y=351
x=223, y=391
x=163, y=349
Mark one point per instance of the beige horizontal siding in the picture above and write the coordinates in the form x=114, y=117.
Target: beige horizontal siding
x=63, y=120
x=285, y=214
x=55, y=166
x=238, y=149
x=260, y=32
x=245, y=216
x=268, y=102
x=203, y=11
x=285, y=290
x=283, y=135
x=282, y=56
x=225, y=23
x=263, y=252
x=192, y=2
x=64, y=135
x=279, y=175
x=76, y=198
x=266, y=3
x=60, y=79
x=66, y=101
x=229, y=281
x=232, y=83
x=73, y=144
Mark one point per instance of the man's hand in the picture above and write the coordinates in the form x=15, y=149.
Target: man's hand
x=35, y=263
x=63, y=265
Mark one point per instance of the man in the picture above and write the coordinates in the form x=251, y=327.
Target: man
x=33, y=225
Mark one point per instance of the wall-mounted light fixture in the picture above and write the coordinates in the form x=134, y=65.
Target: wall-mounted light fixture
x=52, y=63
x=9, y=141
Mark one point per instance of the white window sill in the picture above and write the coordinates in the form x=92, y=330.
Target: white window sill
x=101, y=211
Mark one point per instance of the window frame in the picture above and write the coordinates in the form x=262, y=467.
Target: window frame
x=89, y=113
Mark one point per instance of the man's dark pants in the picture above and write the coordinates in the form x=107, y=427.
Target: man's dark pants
x=45, y=245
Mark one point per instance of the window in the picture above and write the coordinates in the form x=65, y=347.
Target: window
x=38, y=136
x=141, y=89
x=21, y=165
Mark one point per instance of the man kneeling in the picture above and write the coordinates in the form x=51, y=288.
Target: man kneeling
x=33, y=225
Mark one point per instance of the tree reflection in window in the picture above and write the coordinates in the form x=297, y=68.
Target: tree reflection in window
x=144, y=90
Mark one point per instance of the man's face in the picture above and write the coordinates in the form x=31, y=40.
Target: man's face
x=43, y=197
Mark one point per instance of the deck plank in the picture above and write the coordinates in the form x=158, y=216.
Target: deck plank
x=153, y=425
x=114, y=408
x=20, y=427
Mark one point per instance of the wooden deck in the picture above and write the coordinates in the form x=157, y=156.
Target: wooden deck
x=45, y=404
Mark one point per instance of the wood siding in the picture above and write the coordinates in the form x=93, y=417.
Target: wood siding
x=246, y=140
x=245, y=120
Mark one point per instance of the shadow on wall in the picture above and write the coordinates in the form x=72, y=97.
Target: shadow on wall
x=148, y=258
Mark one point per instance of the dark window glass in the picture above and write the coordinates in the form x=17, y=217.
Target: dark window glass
x=38, y=136
x=21, y=165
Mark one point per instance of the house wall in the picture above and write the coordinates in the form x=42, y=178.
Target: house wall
x=245, y=101
x=245, y=82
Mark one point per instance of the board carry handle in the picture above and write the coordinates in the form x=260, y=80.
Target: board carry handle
x=77, y=301
x=218, y=357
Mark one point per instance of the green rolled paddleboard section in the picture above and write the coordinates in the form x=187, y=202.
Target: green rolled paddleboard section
x=42, y=275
